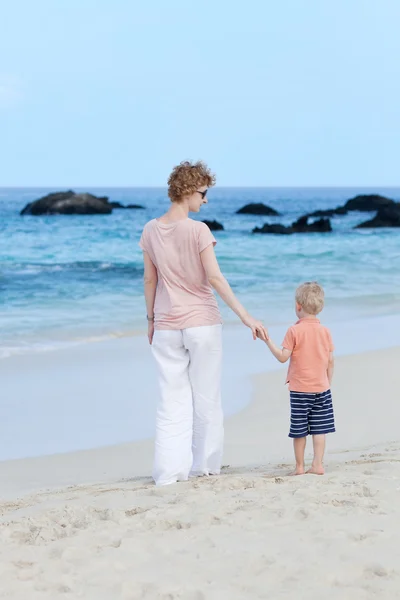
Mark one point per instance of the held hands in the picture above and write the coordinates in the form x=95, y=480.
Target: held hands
x=263, y=337
x=257, y=328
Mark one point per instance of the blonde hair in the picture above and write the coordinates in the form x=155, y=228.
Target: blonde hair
x=310, y=296
x=187, y=177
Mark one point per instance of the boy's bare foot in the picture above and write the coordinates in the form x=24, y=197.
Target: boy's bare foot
x=316, y=471
x=297, y=471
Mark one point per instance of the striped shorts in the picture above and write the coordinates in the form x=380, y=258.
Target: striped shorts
x=311, y=414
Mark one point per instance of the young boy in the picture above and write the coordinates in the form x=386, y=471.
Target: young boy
x=309, y=346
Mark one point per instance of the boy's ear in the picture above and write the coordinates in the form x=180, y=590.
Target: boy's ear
x=298, y=307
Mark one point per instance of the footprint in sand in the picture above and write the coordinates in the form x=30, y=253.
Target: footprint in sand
x=365, y=492
x=342, y=503
x=279, y=480
x=23, y=564
x=376, y=571
x=359, y=537
x=136, y=511
x=27, y=571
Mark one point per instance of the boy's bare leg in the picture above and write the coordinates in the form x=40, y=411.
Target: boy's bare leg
x=317, y=467
x=299, y=445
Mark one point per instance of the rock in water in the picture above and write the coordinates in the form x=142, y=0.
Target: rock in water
x=38, y=206
x=68, y=203
x=363, y=203
x=277, y=229
x=119, y=205
x=329, y=212
x=320, y=226
x=368, y=202
x=388, y=216
x=214, y=225
x=300, y=226
x=257, y=209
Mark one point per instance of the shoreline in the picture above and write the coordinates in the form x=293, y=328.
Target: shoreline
x=104, y=394
x=51, y=344
x=256, y=435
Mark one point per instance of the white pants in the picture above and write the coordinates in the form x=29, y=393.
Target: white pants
x=189, y=422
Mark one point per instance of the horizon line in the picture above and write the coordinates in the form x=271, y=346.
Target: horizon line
x=161, y=187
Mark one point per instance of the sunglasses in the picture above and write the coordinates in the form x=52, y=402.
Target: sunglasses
x=203, y=194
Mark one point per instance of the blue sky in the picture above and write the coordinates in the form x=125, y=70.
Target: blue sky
x=297, y=92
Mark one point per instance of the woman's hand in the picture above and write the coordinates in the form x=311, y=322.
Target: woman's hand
x=257, y=328
x=150, y=331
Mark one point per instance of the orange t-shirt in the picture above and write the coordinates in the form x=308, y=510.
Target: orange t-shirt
x=184, y=296
x=310, y=344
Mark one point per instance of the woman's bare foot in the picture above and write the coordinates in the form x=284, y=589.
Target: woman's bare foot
x=316, y=470
x=297, y=471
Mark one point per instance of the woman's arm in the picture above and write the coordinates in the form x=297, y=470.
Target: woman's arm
x=150, y=286
x=222, y=287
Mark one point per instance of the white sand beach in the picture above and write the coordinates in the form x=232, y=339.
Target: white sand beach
x=150, y=153
x=252, y=532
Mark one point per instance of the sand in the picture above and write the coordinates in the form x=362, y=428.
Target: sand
x=252, y=532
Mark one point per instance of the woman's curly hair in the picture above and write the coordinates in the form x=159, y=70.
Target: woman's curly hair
x=187, y=177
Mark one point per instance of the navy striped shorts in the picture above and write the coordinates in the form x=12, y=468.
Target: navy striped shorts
x=311, y=414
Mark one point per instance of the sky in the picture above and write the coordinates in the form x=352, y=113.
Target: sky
x=116, y=92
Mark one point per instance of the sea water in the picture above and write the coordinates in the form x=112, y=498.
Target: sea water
x=74, y=279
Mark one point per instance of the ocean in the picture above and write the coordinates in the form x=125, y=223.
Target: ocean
x=74, y=279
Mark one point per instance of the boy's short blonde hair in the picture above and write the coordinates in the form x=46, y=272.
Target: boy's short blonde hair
x=311, y=297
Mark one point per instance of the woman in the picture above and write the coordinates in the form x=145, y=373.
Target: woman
x=184, y=329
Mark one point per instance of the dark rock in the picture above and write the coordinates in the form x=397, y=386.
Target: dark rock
x=300, y=226
x=119, y=205
x=330, y=212
x=214, y=225
x=277, y=229
x=37, y=206
x=257, y=209
x=388, y=216
x=68, y=203
x=362, y=203
x=320, y=226
x=368, y=203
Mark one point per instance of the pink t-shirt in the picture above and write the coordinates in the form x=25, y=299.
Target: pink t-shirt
x=184, y=297
x=310, y=344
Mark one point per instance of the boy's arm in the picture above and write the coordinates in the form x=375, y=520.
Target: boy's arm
x=331, y=365
x=282, y=354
